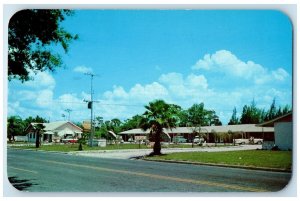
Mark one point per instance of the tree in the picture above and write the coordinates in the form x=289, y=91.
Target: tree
x=272, y=113
x=183, y=117
x=234, y=119
x=158, y=115
x=197, y=115
x=31, y=33
x=99, y=121
x=15, y=126
x=131, y=123
x=251, y=114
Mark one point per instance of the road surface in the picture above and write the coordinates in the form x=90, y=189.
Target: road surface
x=36, y=171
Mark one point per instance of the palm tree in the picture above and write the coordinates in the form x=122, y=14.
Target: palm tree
x=159, y=115
x=38, y=129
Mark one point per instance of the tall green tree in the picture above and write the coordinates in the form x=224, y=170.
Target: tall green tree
x=158, y=115
x=197, y=115
x=31, y=34
x=272, y=112
x=234, y=120
x=251, y=114
x=131, y=123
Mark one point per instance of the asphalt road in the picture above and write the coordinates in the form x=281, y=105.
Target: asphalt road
x=36, y=171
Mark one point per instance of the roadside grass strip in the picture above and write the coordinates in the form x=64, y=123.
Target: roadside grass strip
x=168, y=178
x=281, y=160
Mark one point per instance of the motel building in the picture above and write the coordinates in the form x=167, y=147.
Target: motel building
x=211, y=134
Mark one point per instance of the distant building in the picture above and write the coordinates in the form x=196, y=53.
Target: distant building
x=283, y=132
x=54, y=131
x=86, y=126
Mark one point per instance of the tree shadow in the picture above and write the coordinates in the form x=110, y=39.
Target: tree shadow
x=20, y=184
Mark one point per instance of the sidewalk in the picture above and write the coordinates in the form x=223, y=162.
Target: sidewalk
x=134, y=153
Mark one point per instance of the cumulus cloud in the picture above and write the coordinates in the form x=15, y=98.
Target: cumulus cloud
x=183, y=87
x=45, y=98
x=138, y=93
x=280, y=74
x=226, y=62
x=41, y=80
x=83, y=69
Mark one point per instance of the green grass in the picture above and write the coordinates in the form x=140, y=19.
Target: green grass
x=74, y=147
x=254, y=158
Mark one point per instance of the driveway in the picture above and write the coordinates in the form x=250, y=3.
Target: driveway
x=133, y=153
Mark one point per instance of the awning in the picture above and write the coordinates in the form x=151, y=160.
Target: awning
x=112, y=134
x=49, y=133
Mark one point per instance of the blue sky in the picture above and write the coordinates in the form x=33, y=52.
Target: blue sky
x=224, y=58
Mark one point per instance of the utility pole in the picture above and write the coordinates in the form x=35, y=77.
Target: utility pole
x=90, y=106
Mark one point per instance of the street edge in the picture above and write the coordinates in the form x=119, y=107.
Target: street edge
x=220, y=165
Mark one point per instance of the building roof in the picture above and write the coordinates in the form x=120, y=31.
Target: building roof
x=57, y=126
x=284, y=118
x=206, y=129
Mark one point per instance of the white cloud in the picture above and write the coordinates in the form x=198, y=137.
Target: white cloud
x=226, y=62
x=44, y=98
x=197, y=81
x=182, y=87
x=280, y=74
x=148, y=92
x=173, y=87
x=41, y=80
x=27, y=95
x=172, y=78
x=83, y=69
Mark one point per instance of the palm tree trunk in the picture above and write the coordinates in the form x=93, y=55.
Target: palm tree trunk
x=37, y=139
x=157, y=146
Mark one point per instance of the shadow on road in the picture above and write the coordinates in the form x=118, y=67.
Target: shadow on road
x=20, y=184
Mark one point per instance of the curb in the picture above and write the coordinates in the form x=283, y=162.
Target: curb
x=220, y=165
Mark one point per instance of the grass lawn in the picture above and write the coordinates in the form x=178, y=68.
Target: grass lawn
x=255, y=158
x=74, y=147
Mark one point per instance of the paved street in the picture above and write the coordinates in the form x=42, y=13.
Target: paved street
x=55, y=172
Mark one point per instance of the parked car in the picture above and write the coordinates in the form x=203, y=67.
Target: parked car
x=198, y=140
x=249, y=141
x=241, y=141
x=69, y=139
x=256, y=141
x=179, y=139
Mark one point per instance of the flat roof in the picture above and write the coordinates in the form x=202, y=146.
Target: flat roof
x=206, y=129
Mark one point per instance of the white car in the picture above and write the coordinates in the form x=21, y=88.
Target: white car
x=249, y=141
x=257, y=141
x=241, y=141
x=69, y=139
x=198, y=139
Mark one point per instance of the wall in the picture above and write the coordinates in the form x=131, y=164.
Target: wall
x=284, y=135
